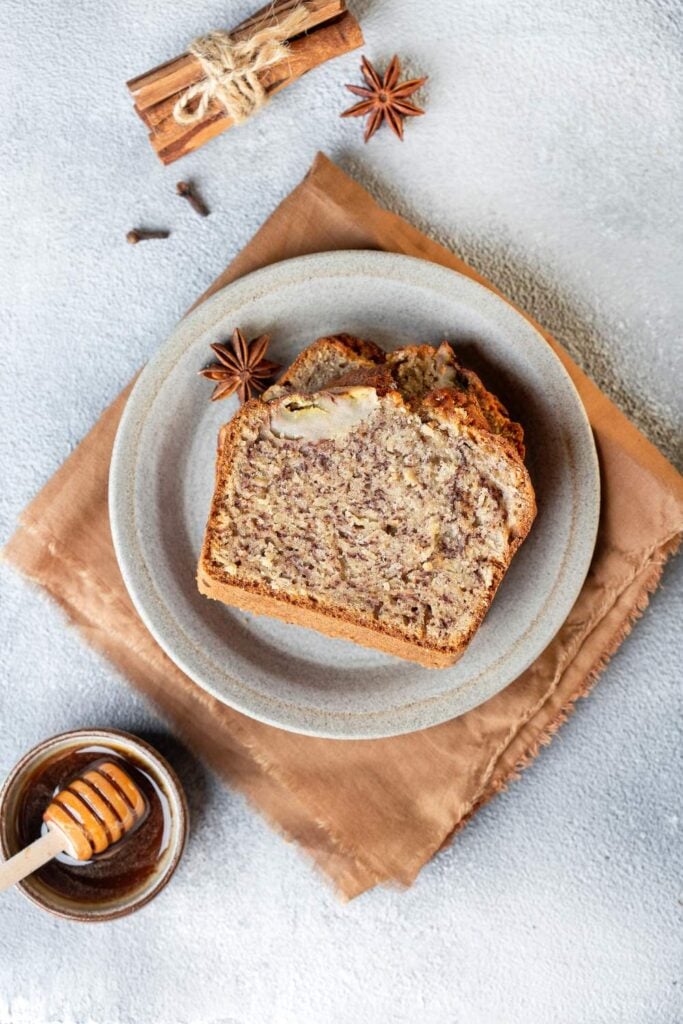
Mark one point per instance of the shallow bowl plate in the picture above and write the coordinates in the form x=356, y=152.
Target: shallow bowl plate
x=162, y=478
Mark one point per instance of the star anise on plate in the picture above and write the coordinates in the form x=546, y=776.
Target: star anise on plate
x=241, y=368
x=385, y=98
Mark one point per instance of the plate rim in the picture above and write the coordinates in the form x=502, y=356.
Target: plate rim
x=123, y=465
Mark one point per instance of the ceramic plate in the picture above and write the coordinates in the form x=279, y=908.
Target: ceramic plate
x=162, y=479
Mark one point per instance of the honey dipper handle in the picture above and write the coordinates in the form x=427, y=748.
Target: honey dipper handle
x=31, y=858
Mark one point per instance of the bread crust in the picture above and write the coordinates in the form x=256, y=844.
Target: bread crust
x=258, y=601
x=446, y=405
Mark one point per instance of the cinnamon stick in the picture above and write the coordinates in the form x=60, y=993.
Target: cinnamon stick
x=172, y=140
x=178, y=74
x=329, y=31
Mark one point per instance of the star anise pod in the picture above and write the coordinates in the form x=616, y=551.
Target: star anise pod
x=243, y=369
x=384, y=99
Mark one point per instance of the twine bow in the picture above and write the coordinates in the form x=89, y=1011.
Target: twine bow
x=231, y=69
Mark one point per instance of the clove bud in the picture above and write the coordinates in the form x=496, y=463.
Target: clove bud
x=186, y=190
x=140, y=235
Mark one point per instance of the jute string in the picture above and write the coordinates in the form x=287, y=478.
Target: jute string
x=231, y=69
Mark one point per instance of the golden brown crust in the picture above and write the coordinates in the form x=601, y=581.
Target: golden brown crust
x=301, y=613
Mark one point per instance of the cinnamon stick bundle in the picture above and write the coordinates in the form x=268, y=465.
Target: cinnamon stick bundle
x=327, y=30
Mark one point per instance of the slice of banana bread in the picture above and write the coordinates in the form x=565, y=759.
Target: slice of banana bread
x=373, y=508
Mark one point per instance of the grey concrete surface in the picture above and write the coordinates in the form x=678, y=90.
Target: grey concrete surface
x=549, y=157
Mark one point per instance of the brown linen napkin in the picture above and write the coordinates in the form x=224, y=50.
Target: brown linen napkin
x=366, y=811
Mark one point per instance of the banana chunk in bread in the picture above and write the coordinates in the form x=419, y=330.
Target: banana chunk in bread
x=380, y=507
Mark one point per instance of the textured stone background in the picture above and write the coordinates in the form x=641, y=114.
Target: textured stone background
x=550, y=158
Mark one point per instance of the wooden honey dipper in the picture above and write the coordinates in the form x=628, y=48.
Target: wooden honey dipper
x=93, y=812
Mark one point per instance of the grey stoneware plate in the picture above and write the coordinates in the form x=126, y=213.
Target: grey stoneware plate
x=162, y=478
